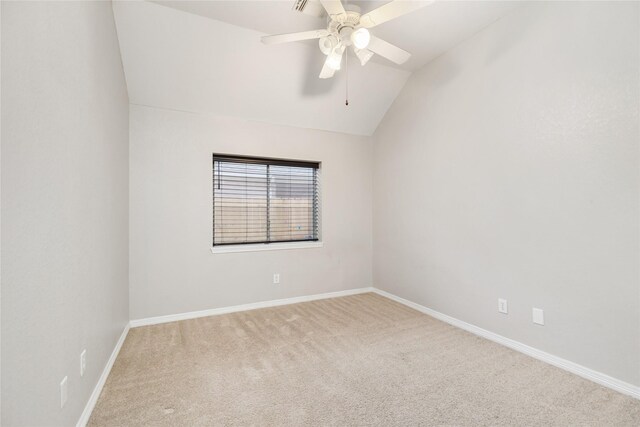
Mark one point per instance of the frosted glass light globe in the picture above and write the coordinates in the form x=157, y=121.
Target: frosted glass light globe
x=334, y=60
x=361, y=38
x=327, y=44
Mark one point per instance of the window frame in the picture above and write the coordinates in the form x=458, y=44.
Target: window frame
x=277, y=244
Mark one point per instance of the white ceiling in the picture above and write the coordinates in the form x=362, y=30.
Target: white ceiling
x=206, y=57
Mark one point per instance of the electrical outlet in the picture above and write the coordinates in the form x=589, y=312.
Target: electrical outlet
x=538, y=316
x=276, y=278
x=83, y=362
x=63, y=392
x=502, y=306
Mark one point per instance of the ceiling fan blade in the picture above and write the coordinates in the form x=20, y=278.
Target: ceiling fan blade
x=364, y=55
x=292, y=37
x=391, y=11
x=327, y=72
x=334, y=8
x=389, y=51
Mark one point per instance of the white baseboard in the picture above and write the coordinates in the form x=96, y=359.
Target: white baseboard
x=93, y=399
x=584, y=372
x=244, y=307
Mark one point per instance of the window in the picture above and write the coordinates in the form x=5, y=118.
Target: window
x=264, y=200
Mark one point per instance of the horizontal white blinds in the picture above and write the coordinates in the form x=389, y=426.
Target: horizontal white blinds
x=264, y=201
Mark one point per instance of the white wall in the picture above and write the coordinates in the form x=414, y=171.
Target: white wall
x=64, y=205
x=172, y=269
x=508, y=168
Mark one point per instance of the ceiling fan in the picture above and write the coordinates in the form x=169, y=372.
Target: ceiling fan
x=347, y=27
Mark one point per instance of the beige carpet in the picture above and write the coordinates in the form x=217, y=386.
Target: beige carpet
x=357, y=360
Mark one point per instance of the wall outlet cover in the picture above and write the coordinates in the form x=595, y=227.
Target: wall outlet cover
x=538, y=316
x=502, y=306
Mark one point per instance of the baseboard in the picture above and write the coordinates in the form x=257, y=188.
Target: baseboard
x=244, y=307
x=93, y=399
x=582, y=371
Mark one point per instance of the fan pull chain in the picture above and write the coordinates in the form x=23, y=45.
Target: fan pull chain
x=346, y=72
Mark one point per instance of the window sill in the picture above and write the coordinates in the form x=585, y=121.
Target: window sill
x=265, y=247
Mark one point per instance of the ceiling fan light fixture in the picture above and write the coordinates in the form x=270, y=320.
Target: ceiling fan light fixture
x=327, y=44
x=334, y=59
x=361, y=38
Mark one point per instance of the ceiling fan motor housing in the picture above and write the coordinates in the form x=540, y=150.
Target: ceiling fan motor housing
x=340, y=29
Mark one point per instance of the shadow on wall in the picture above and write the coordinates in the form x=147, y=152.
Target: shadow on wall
x=445, y=71
x=445, y=68
x=502, y=45
x=421, y=94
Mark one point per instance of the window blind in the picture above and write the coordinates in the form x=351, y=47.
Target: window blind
x=258, y=200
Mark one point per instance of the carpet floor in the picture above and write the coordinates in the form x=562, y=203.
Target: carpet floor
x=356, y=360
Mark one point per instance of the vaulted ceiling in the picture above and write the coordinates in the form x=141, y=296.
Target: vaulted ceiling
x=206, y=57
